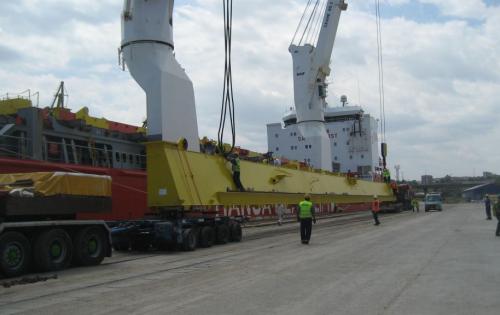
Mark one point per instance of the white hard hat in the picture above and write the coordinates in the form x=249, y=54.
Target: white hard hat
x=375, y=196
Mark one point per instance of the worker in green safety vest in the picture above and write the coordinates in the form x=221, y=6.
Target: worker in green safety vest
x=234, y=159
x=306, y=217
x=386, y=174
x=415, y=205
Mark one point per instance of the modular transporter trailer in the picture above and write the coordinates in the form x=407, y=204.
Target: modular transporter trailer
x=177, y=230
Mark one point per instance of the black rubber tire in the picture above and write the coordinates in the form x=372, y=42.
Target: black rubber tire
x=207, y=236
x=89, y=246
x=55, y=240
x=14, y=243
x=189, y=240
x=222, y=234
x=236, y=234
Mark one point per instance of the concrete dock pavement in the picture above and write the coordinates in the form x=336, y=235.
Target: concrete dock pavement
x=414, y=263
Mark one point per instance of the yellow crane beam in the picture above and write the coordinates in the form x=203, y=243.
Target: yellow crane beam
x=177, y=177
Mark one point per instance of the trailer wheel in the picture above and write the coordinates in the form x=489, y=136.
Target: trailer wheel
x=188, y=240
x=53, y=250
x=89, y=246
x=15, y=254
x=236, y=233
x=207, y=236
x=222, y=234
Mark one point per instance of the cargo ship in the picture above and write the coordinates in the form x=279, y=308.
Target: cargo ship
x=54, y=138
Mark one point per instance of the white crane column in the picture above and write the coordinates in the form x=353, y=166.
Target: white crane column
x=148, y=51
x=311, y=67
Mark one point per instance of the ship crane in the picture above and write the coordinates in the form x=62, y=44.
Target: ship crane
x=148, y=51
x=311, y=68
x=185, y=187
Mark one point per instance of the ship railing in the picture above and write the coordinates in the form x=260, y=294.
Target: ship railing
x=71, y=153
x=14, y=147
x=92, y=155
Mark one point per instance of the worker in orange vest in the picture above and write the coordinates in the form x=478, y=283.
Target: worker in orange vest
x=376, y=209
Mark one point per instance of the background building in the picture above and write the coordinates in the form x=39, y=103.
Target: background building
x=427, y=179
x=479, y=192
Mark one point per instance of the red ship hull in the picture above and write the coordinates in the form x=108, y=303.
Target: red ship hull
x=128, y=190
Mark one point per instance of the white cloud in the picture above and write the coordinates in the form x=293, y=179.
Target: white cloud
x=442, y=78
x=475, y=9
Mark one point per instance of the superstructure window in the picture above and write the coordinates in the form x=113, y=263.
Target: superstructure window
x=277, y=148
x=276, y=135
x=117, y=157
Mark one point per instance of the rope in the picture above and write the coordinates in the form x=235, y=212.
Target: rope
x=380, y=62
x=227, y=106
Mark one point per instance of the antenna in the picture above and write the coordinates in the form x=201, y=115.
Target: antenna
x=343, y=100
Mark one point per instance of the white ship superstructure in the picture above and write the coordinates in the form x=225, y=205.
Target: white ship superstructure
x=353, y=137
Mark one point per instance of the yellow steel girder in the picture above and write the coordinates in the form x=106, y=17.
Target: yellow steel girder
x=182, y=178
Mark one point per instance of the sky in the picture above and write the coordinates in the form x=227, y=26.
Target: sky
x=441, y=67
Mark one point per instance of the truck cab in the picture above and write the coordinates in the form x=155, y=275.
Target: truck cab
x=433, y=201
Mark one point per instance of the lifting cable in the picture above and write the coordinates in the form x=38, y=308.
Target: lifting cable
x=300, y=23
x=227, y=107
x=308, y=27
x=310, y=23
x=319, y=22
x=380, y=71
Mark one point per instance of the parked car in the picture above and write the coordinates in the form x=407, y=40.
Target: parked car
x=433, y=201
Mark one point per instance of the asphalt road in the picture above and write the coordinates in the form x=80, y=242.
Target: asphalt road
x=427, y=263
